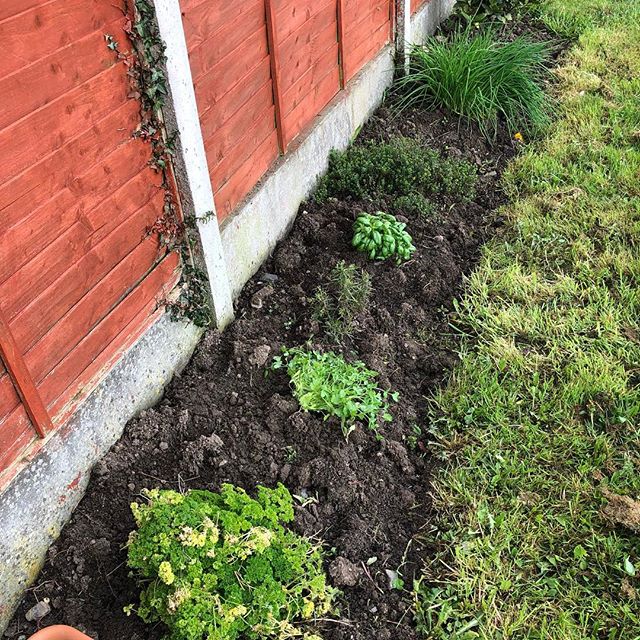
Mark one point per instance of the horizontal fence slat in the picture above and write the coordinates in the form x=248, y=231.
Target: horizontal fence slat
x=79, y=280
x=94, y=344
x=16, y=434
x=242, y=182
x=49, y=26
x=86, y=201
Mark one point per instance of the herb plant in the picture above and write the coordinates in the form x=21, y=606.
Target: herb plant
x=344, y=296
x=220, y=566
x=389, y=170
x=325, y=382
x=480, y=11
x=382, y=236
x=479, y=78
x=414, y=204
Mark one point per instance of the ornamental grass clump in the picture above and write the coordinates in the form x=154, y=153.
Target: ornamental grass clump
x=382, y=236
x=220, y=566
x=481, y=79
x=325, y=382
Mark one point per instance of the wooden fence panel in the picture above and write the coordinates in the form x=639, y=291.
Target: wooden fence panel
x=308, y=51
x=80, y=274
x=16, y=429
x=416, y=4
x=229, y=55
x=367, y=29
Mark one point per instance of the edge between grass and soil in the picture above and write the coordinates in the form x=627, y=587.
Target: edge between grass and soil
x=538, y=535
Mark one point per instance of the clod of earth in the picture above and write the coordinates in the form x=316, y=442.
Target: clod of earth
x=344, y=573
x=622, y=510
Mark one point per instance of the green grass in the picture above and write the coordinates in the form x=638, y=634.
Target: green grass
x=480, y=78
x=540, y=420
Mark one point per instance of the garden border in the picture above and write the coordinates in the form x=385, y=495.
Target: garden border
x=48, y=486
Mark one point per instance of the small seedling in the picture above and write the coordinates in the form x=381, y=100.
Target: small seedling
x=325, y=382
x=290, y=454
x=345, y=295
x=414, y=437
x=382, y=236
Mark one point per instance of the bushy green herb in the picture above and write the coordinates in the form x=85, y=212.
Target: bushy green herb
x=414, y=204
x=401, y=167
x=220, y=566
x=477, y=77
x=382, y=236
x=325, y=382
x=479, y=11
x=344, y=296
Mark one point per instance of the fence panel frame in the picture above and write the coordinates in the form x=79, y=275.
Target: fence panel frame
x=22, y=380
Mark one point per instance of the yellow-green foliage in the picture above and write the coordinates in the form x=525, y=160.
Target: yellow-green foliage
x=219, y=566
x=540, y=420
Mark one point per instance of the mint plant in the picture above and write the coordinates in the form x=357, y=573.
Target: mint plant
x=325, y=382
x=220, y=566
x=382, y=236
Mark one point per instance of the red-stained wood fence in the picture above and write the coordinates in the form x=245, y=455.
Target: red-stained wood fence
x=264, y=69
x=416, y=4
x=79, y=273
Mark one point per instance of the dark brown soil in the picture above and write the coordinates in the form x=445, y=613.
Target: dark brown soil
x=225, y=420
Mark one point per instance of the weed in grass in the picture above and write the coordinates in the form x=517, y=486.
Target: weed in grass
x=345, y=295
x=414, y=437
x=539, y=423
x=325, y=382
x=401, y=167
x=481, y=79
x=382, y=236
x=223, y=566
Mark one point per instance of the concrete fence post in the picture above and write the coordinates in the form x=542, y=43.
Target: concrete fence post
x=403, y=33
x=192, y=172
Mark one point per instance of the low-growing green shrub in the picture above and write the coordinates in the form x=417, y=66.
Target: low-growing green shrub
x=325, y=382
x=382, y=236
x=414, y=204
x=401, y=167
x=219, y=566
x=480, y=11
x=479, y=78
x=345, y=295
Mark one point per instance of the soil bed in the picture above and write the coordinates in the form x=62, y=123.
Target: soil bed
x=224, y=420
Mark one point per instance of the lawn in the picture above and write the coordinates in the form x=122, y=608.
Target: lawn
x=539, y=423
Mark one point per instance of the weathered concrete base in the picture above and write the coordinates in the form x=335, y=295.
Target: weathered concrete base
x=41, y=498
x=428, y=17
